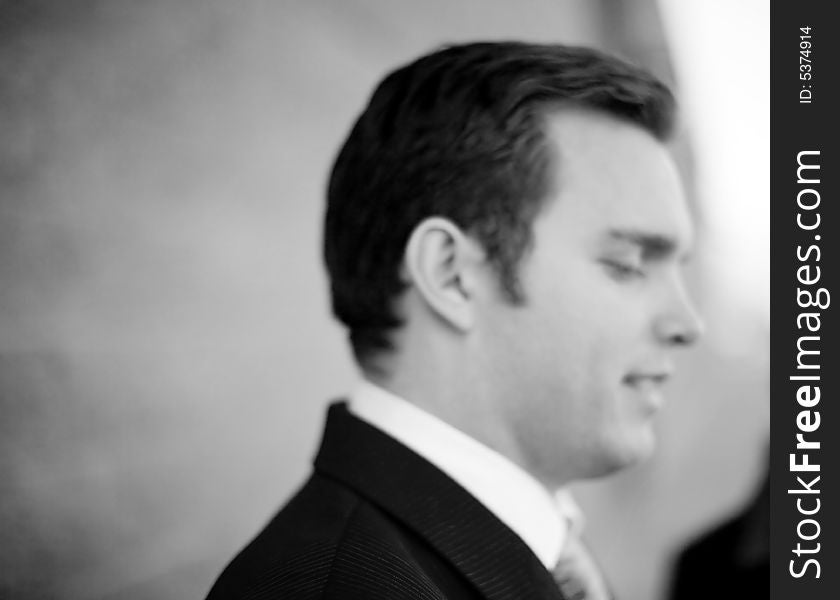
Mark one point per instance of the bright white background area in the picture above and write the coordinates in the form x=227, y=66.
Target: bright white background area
x=166, y=349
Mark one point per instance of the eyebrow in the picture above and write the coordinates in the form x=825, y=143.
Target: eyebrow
x=652, y=245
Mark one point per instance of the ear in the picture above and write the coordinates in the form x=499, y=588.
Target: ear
x=439, y=262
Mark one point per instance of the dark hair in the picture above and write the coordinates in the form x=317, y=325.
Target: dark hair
x=459, y=133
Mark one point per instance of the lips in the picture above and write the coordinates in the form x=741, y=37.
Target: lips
x=647, y=385
x=656, y=379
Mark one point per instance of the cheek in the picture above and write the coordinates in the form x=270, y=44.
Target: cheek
x=587, y=334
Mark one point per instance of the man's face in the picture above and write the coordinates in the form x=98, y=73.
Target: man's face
x=578, y=368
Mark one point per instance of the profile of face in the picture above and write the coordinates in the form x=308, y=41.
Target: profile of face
x=578, y=368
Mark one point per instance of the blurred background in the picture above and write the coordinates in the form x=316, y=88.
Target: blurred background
x=166, y=350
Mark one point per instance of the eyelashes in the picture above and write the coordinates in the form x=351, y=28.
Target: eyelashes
x=623, y=270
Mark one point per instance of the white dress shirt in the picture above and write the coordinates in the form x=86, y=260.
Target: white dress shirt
x=542, y=518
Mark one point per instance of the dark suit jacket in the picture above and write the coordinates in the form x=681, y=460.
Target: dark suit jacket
x=377, y=521
x=736, y=552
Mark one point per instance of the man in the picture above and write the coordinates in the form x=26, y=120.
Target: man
x=504, y=237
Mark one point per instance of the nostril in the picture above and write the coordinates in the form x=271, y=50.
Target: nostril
x=684, y=339
x=679, y=331
x=690, y=334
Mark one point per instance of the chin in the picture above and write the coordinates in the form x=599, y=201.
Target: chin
x=612, y=455
x=640, y=449
x=628, y=453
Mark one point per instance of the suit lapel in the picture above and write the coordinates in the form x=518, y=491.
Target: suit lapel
x=493, y=558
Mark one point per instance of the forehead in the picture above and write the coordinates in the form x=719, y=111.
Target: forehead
x=611, y=175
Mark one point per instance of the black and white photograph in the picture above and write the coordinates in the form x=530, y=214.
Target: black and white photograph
x=457, y=299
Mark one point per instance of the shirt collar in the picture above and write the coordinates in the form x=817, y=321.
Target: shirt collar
x=543, y=519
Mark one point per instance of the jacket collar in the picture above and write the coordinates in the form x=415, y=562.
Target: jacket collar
x=493, y=558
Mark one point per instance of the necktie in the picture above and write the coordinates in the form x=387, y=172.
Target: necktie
x=577, y=574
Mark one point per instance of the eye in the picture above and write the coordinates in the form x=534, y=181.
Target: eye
x=623, y=270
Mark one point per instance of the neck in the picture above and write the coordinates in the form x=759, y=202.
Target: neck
x=450, y=390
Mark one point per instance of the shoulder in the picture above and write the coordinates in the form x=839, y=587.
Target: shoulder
x=327, y=543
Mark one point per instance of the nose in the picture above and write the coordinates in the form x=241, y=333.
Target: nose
x=679, y=324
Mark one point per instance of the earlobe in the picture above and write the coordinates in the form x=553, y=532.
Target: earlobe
x=436, y=263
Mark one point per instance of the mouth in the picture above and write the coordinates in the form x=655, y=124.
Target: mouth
x=648, y=384
x=655, y=379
